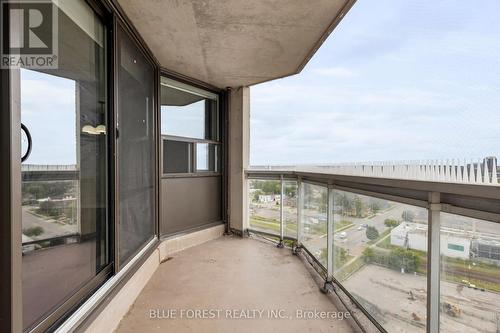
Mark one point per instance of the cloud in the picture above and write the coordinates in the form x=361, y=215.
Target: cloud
x=337, y=72
x=392, y=82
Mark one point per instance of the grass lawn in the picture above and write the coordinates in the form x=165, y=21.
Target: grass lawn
x=380, y=236
x=271, y=225
x=343, y=224
x=350, y=269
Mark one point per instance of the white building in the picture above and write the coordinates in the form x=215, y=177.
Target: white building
x=454, y=243
x=269, y=198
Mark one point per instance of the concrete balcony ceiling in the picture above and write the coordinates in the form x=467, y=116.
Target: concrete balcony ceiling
x=230, y=43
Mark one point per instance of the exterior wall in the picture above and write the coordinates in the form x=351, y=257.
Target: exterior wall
x=188, y=203
x=239, y=152
x=451, y=246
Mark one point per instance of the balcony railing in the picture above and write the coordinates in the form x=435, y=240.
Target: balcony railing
x=413, y=254
x=468, y=171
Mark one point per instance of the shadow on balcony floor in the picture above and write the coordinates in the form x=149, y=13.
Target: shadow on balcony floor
x=235, y=275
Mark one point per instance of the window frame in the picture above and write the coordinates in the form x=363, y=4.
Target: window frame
x=192, y=163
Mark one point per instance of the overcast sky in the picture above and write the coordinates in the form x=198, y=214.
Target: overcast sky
x=396, y=80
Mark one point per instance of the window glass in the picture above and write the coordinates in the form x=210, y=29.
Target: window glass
x=176, y=156
x=65, y=230
x=135, y=146
x=190, y=117
x=380, y=256
x=314, y=220
x=202, y=157
x=290, y=208
x=264, y=198
x=470, y=274
x=183, y=120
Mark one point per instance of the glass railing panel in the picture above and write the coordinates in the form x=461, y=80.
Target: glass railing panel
x=380, y=256
x=470, y=275
x=314, y=220
x=290, y=208
x=264, y=197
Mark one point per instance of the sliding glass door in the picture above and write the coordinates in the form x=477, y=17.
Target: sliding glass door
x=65, y=227
x=136, y=147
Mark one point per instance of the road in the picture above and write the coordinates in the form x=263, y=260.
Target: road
x=355, y=240
x=51, y=228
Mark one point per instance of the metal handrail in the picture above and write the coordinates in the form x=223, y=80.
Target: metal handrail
x=480, y=201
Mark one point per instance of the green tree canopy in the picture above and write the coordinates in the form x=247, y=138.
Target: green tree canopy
x=391, y=223
x=371, y=233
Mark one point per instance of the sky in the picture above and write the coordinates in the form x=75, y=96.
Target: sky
x=396, y=80
x=48, y=109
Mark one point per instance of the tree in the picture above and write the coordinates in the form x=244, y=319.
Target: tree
x=256, y=195
x=403, y=258
x=371, y=233
x=368, y=254
x=391, y=223
x=345, y=203
x=358, y=205
x=408, y=216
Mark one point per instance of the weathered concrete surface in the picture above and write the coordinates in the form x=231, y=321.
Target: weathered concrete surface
x=239, y=154
x=232, y=43
x=235, y=274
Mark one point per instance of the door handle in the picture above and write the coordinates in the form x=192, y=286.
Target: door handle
x=30, y=143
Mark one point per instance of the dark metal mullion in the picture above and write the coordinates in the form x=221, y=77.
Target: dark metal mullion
x=187, y=139
x=129, y=28
x=190, y=81
x=10, y=203
x=194, y=158
x=158, y=148
x=115, y=145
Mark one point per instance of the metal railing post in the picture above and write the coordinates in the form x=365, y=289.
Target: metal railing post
x=328, y=286
x=329, y=235
x=433, y=262
x=300, y=204
x=282, y=228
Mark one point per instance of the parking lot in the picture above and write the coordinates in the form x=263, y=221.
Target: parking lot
x=387, y=294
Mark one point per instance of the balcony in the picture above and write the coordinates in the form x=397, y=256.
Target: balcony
x=131, y=204
x=256, y=289
x=431, y=247
x=350, y=246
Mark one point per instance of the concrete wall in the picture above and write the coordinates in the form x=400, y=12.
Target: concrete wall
x=239, y=152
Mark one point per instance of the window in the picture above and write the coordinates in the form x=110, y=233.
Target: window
x=179, y=153
x=65, y=230
x=135, y=147
x=189, y=128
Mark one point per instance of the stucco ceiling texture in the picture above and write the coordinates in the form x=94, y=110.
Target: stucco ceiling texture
x=231, y=43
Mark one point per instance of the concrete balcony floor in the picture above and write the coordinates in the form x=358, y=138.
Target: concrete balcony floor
x=231, y=273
